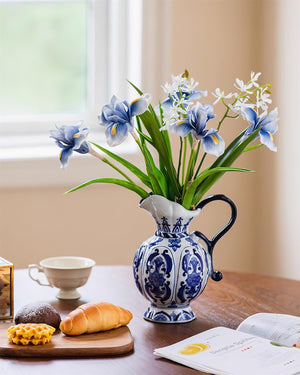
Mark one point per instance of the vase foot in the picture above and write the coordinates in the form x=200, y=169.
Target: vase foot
x=68, y=294
x=182, y=314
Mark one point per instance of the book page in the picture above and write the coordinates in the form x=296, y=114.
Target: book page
x=226, y=351
x=279, y=328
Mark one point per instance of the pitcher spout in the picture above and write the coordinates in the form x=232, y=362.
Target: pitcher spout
x=170, y=217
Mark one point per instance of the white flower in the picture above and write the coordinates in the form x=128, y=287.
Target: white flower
x=170, y=113
x=178, y=81
x=180, y=101
x=173, y=113
x=241, y=86
x=168, y=88
x=178, y=84
x=170, y=116
x=220, y=94
x=239, y=106
x=266, y=98
x=263, y=99
x=254, y=78
x=190, y=85
x=184, y=110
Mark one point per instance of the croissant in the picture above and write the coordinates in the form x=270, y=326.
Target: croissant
x=94, y=317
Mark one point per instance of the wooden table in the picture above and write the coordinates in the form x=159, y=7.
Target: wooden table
x=224, y=303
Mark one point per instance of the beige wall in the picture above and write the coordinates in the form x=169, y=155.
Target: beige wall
x=230, y=38
x=217, y=41
x=102, y=222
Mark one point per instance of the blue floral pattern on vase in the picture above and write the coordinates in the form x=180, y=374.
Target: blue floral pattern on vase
x=158, y=272
x=171, y=268
x=177, y=226
x=191, y=241
x=174, y=243
x=136, y=266
x=192, y=266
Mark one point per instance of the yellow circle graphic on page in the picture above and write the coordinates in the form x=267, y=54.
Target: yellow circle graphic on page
x=194, y=348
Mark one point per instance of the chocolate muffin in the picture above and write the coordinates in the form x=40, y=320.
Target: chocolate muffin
x=38, y=313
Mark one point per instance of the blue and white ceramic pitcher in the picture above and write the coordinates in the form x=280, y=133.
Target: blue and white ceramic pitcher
x=172, y=268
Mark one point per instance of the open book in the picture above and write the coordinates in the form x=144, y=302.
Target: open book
x=263, y=344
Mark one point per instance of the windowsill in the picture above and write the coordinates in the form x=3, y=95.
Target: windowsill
x=32, y=161
x=27, y=147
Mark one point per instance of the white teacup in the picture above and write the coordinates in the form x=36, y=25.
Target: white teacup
x=66, y=273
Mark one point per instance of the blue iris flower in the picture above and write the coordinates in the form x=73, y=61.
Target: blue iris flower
x=69, y=139
x=266, y=123
x=195, y=123
x=117, y=117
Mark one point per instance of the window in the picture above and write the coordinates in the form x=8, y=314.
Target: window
x=43, y=65
x=60, y=62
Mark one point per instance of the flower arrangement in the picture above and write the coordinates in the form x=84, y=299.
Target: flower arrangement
x=185, y=180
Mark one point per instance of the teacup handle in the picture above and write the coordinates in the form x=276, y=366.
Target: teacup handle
x=217, y=275
x=40, y=269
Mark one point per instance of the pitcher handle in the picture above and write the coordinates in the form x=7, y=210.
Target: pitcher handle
x=217, y=275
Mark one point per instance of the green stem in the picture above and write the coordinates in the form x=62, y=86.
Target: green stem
x=223, y=118
x=197, y=150
x=102, y=158
x=139, y=142
x=117, y=169
x=184, y=159
x=190, y=170
x=179, y=159
x=139, y=128
x=227, y=110
x=200, y=165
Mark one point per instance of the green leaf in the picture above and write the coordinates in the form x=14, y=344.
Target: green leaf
x=162, y=181
x=252, y=147
x=229, y=149
x=190, y=170
x=139, y=129
x=144, y=136
x=165, y=133
x=160, y=145
x=190, y=138
x=160, y=142
x=156, y=135
x=135, y=87
x=135, y=170
x=238, y=149
x=157, y=179
x=169, y=187
x=128, y=185
x=235, y=149
x=179, y=157
x=189, y=195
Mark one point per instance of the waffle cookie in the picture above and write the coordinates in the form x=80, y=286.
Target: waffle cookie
x=30, y=333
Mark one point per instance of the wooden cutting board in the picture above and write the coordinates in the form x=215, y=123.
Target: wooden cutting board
x=114, y=342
